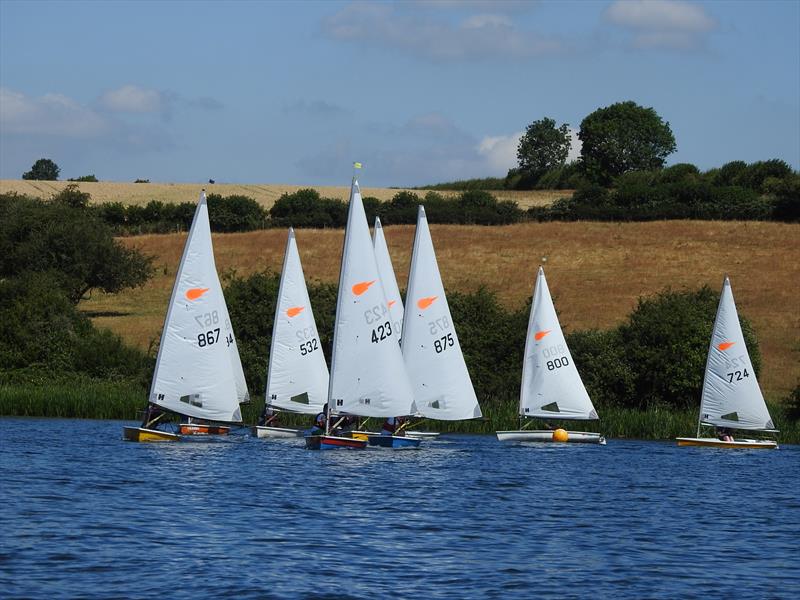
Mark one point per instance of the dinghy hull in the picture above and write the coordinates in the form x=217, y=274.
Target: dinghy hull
x=717, y=443
x=202, y=429
x=140, y=434
x=393, y=441
x=260, y=431
x=423, y=435
x=575, y=437
x=330, y=442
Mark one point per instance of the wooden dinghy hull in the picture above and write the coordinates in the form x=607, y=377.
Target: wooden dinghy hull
x=393, y=441
x=261, y=431
x=717, y=443
x=141, y=434
x=545, y=435
x=201, y=429
x=332, y=442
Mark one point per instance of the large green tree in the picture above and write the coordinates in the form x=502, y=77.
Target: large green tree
x=624, y=137
x=43, y=169
x=543, y=147
x=72, y=244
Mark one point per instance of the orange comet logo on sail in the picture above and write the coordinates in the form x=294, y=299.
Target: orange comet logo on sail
x=195, y=293
x=541, y=334
x=392, y=303
x=294, y=311
x=424, y=303
x=725, y=345
x=362, y=287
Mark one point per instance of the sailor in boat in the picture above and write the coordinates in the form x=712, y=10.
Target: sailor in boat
x=151, y=416
x=724, y=434
x=393, y=426
x=268, y=418
x=320, y=421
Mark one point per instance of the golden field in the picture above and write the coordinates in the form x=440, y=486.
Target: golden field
x=266, y=195
x=596, y=272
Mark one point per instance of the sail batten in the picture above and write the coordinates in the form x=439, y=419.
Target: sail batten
x=551, y=385
x=731, y=396
x=368, y=377
x=297, y=375
x=194, y=374
x=442, y=386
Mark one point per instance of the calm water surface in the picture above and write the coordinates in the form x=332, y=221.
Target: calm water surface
x=84, y=514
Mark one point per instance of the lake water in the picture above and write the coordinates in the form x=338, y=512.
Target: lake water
x=85, y=514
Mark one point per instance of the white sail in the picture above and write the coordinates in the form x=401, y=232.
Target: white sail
x=194, y=374
x=368, y=377
x=442, y=386
x=297, y=376
x=731, y=395
x=242, y=394
x=389, y=281
x=551, y=386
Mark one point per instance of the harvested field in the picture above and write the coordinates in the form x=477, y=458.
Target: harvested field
x=264, y=194
x=596, y=272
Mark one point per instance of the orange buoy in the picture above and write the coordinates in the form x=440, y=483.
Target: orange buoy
x=560, y=435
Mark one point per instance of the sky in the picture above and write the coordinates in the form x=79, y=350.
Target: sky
x=418, y=92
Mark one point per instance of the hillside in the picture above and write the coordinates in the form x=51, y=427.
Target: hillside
x=596, y=271
x=264, y=194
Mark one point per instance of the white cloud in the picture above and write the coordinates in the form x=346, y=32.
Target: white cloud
x=478, y=36
x=500, y=152
x=659, y=15
x=50, y=114
x=671, y=24
x=134, y=99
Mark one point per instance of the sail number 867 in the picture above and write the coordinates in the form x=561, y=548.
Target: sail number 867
x=208, y=338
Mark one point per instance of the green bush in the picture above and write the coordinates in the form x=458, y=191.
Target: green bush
x=601, y=360
x=86, y=178
x=235, y=213
x=666, y=341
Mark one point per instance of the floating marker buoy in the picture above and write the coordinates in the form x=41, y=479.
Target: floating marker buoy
x=560, y=435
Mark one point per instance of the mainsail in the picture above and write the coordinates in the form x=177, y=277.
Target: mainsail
x=731, y=395
x=431, y=350
x=194, y=374
x=388, y=279
x=368, y=377
x=297, y=376
x=551, y=386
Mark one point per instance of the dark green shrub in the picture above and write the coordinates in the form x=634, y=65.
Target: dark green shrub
x=235, y=213
x=758, y=172
x=666, y=342
x=73, y=197
x=87, y=178
x=602, y=363
x=729, y=173
x=680, y=172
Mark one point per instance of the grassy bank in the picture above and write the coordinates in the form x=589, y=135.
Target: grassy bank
x=121, y=400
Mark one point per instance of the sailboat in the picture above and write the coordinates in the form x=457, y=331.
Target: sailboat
x=297, y=376
x=551, y=386
x=196, y=374
x=731, y=397
x=395, y=302
x=431, y=350
x=368, y=378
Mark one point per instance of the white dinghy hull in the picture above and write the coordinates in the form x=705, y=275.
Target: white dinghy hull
x=717, y=443
x=423, y=435
x=577, y=437
x=261, y=431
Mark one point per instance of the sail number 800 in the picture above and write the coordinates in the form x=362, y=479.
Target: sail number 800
x=557, y=363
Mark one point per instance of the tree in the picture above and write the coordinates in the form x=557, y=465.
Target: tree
x=72, y=244
x=543, y=147
x=624, y=137
x=43, y=169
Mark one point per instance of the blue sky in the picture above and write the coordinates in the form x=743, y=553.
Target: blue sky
x=419, y=92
